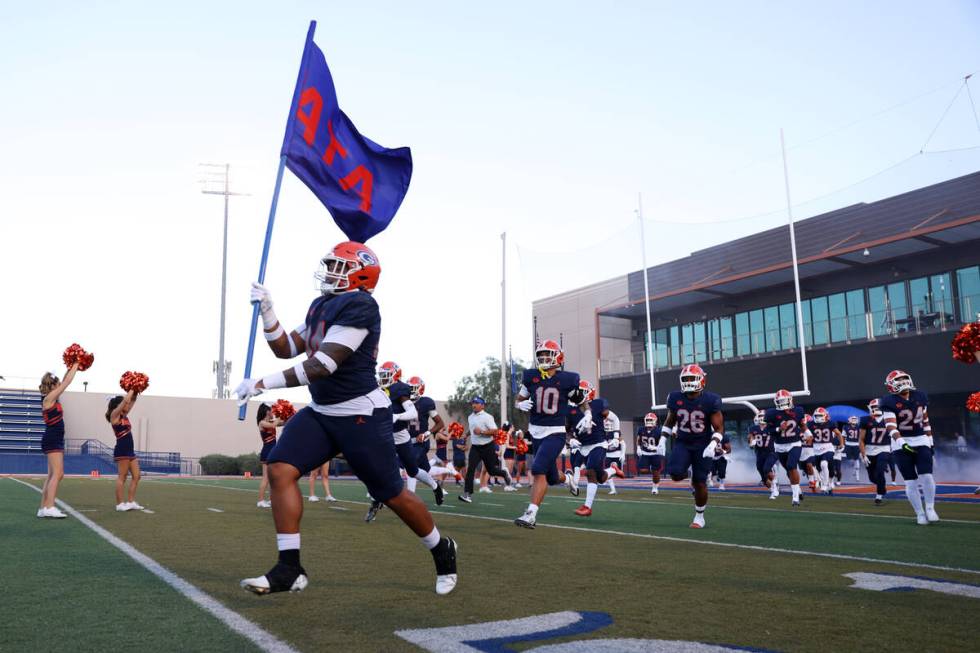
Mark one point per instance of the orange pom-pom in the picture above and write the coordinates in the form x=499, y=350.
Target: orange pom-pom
x=521, y=446
x=134, y=381
x=500, y=437
x=973, y=403
x=456, y=430
x=966, y=343
x=283, y=409
x=75, y=354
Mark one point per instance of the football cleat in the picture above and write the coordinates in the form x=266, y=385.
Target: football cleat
x=444, y=555
x=465, y=497
x=617, y=471
x=440, y=494
x=796, y=504
x=612, y=492
x=878, y=501
x=281, y=578
x=654, y=490
x=698, y=520
x=921, y=520
x=932, y=515
x=721, y=485
x=372, y=512
x=572, y=486
x=527, y=520
x=583, y=511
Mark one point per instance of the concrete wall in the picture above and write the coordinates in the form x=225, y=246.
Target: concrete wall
x=572, y=315
x=193, y=427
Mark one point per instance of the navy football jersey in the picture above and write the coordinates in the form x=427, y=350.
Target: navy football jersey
x=795, y=418
x=851, y=434
x=647, y=438
x=909, y=413
x=598, y=432
x=355, y=376
x=693, y=423
x=824, y=433
x=875, y=432
x=424, y=406
x=550, y=396
x=762, y=438
x=399, y=392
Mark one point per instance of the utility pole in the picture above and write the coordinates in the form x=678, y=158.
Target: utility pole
x=219, y=175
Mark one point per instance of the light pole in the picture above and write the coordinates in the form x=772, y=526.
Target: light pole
x=221, y=368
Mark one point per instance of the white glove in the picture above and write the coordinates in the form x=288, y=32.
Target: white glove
x=585, y=424
x=525, y=405
x=709, y=451
x=261, y=295
x=865, y=460
x=613, y=444
x=246, y=390
x=574, y=444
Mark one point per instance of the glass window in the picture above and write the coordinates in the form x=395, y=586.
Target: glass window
x=881, y=320
x=757, y=331
x=714, y=337
x=727, y=343
x=838, y=315
x=821, y=326
x=742, y=333
x=661, y=349
x=687, y=345
x=942, y=296
x=807, y=322
x=857, y=324
x=921, y=298
x=787, y=324
x=771, y=319
x=968, y=292
x=700, y=344
x=675, y=346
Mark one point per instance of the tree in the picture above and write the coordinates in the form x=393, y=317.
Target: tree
x=485, y=382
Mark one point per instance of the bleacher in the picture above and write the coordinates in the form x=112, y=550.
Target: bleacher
x=21, y=429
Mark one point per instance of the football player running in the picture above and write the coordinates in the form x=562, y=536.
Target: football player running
x=826, y=439
x=719, y=466
x=851, y=446
x=403, y=414
x=760, y=441
x=875, y=447
x=695, y=420
x=905, y=411
x=349, y=414
x=547, y=393
x=650, y=446
x=418, y=428
x=615, y=448
x=593, y=443
x=788, y=427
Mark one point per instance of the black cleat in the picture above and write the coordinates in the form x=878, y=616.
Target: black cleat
x=440, y=494
x=373, y=511
x=464, y=497
x=444, y=555
x=878, y=501
x=281, y=578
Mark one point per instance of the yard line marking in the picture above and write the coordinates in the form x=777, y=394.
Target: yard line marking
x=148, y=511
x=215, y=509
x=669, y=538
x=338, y=508
x=88, y=510
x=499, y=505
x=251, y=631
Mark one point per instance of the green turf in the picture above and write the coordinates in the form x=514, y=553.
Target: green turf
x=368, y=580
x=66, y=588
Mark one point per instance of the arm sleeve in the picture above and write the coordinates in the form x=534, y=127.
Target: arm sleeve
x=410, y=412
x=347, y=336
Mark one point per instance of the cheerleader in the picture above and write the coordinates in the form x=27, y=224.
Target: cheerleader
x=324, y=472
x=268, y=423
x=53, y=442
x=117, y=414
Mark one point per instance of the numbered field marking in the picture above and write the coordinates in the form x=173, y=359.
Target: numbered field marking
x=897, y=583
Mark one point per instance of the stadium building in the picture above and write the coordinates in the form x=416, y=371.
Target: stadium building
x=884, y=285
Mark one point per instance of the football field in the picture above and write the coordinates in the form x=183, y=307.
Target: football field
x=836, y=574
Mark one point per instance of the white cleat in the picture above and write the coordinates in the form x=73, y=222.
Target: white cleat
x=571, y=485
x=122, y=507
x=330, y=499
x=260, y=584
x=446, y=576
x=921, y=520
x=510, y=488
x=698, y=520
x=721, y=486
x=611, y=492
x=264, y=504
x=654, y=491
x=135, y=506
x=932, y=515
x=51, y=513
x=527, y=520
x=314, y=498
x=485, y=490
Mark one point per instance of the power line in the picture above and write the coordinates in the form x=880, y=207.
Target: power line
x=943, y=117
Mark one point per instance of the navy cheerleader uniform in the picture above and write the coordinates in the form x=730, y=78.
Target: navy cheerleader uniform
x=124, y=440
x=54, y=429
x=268, y=436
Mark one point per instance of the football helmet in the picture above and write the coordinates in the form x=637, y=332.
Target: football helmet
x=898, y=381
x=874, y=407
x=760, y=419
x=821, y=416
x=349, y=266
x=692, y=378
x=548, y=355
x=783, y=400
x=588, y=390
x=853, y=420
x=650, y=420
x=389, y=373
x=418, y=387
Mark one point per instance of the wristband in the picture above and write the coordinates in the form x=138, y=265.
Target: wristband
x=273, y=381
x=273, y=335
x=292, y=346
x=300, y=372
x=717, y=436
x=667, y=430
x=269, y=318
x=326, y=361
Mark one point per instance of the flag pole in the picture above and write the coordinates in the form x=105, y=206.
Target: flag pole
x=265, y=259
x=646, y=298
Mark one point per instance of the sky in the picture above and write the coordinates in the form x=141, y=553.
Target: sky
x=543, y=120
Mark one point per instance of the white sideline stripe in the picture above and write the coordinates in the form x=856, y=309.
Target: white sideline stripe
x=669, y=538
x=148, y=511
x=338, y=508
x=251, y=631
x=215, y=509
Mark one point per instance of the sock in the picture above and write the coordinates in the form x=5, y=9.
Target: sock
x=436, y=470
x=533, y=509
x=411, y=484
x=576, y=476
x=612, y=484
x=824, y=474
x=700, y=509
x=878, y=496
x=288, y=544
x=426, y=478
x=432, y=539
x=510, y=479
x=928, y=483
x=912, y=492
x=656, y=484
x=796, y=492
x=590, y=491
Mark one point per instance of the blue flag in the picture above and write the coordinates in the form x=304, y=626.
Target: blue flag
x=361, y=183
